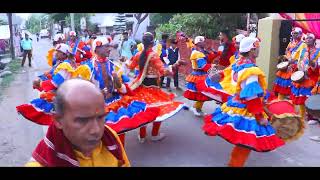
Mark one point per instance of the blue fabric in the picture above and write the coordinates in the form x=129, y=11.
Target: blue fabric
x=301, y=91
x=292, y=50
x=58, y=79
x=136, y=72
x=282, y=82
x=198, y=73
x=54, y=61
x=236, y=55
x=43, y=77
x=42, y=104
x=173, y=55
x=125, y=78
x=315, y=54
x=241, y=67
x=251, y=90
x=242, y=123
x=115, y=97
x=191, y=86
x=201, y=62
x=86, y=48
x=133, y=108
x=210, y=83
x=236, y=104
x=74, y=49
x=98, y=73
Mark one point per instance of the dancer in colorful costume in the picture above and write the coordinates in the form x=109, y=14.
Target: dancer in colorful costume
x=242, y=121
x=124, y=113
x=221, y=91
x=201, y=62
x=146, y=86
x=307, y=63
x=79, y=48
x=40, y=110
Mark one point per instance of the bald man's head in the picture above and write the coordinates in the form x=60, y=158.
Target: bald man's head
x=80, y=113
x=74, y=90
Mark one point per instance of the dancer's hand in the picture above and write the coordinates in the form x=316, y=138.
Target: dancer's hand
x=116, y=80
x=36, y=83
x=263, y=122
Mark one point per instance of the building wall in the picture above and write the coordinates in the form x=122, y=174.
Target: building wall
x=268, y=31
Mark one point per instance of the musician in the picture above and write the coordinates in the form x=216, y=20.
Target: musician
x=79, y=48
x=201, y=62
x=295, y=45
x=301, y=90
x=282, y=83
x=241, y=120
x=309, y=64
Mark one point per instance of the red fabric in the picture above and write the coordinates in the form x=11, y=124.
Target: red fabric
x=254, y=106
x=282, y=90
x=224, y=60
x=155, y=128
x=260, y=144
x=313, y=74
x=122, y=138
x=30, y=113
x=202, y=87
x=47, y=85
x=195, y=96
x=298, y=100
x=206, y=67
x=47, y=156
x=143, y=132
x=281, y=107
x=127, y=124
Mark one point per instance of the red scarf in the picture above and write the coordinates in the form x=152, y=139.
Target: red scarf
x=55, y=150
x=102, y=60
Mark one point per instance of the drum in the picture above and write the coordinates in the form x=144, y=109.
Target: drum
x=313, y=105
x=297, y=76
x=284, y=119
x=283, y=66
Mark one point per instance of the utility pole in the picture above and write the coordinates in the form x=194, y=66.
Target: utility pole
x=11, y=35
x=248, y=22
x=72, y=21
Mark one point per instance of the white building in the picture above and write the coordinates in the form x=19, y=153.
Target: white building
x=105, y=22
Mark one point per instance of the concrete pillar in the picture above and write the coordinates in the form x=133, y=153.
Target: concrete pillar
x=268, y=32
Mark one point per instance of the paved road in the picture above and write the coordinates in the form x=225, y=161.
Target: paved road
x=185, y=145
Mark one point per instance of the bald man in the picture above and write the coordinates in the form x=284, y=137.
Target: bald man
x=78, y=136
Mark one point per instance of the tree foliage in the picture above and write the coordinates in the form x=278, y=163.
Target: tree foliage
x=205, y=24
x=33, y=23
x=160, y=18
x=77, y=18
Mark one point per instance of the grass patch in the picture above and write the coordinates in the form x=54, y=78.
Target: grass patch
x=14, y=67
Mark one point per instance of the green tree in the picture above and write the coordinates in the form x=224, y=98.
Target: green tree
x=205, y=24
x=33, y=23
x=77, y=18
x=160, y=18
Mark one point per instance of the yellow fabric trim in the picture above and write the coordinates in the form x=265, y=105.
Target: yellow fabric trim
x=196, y=55
x=239, y=111
x=249, y=72
x=64, y=66
x=140, y=47
x=159, y=49
x=50, y=56
x=232, y=60
x=33, y=164
x=83, y=71
x=226, y=81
